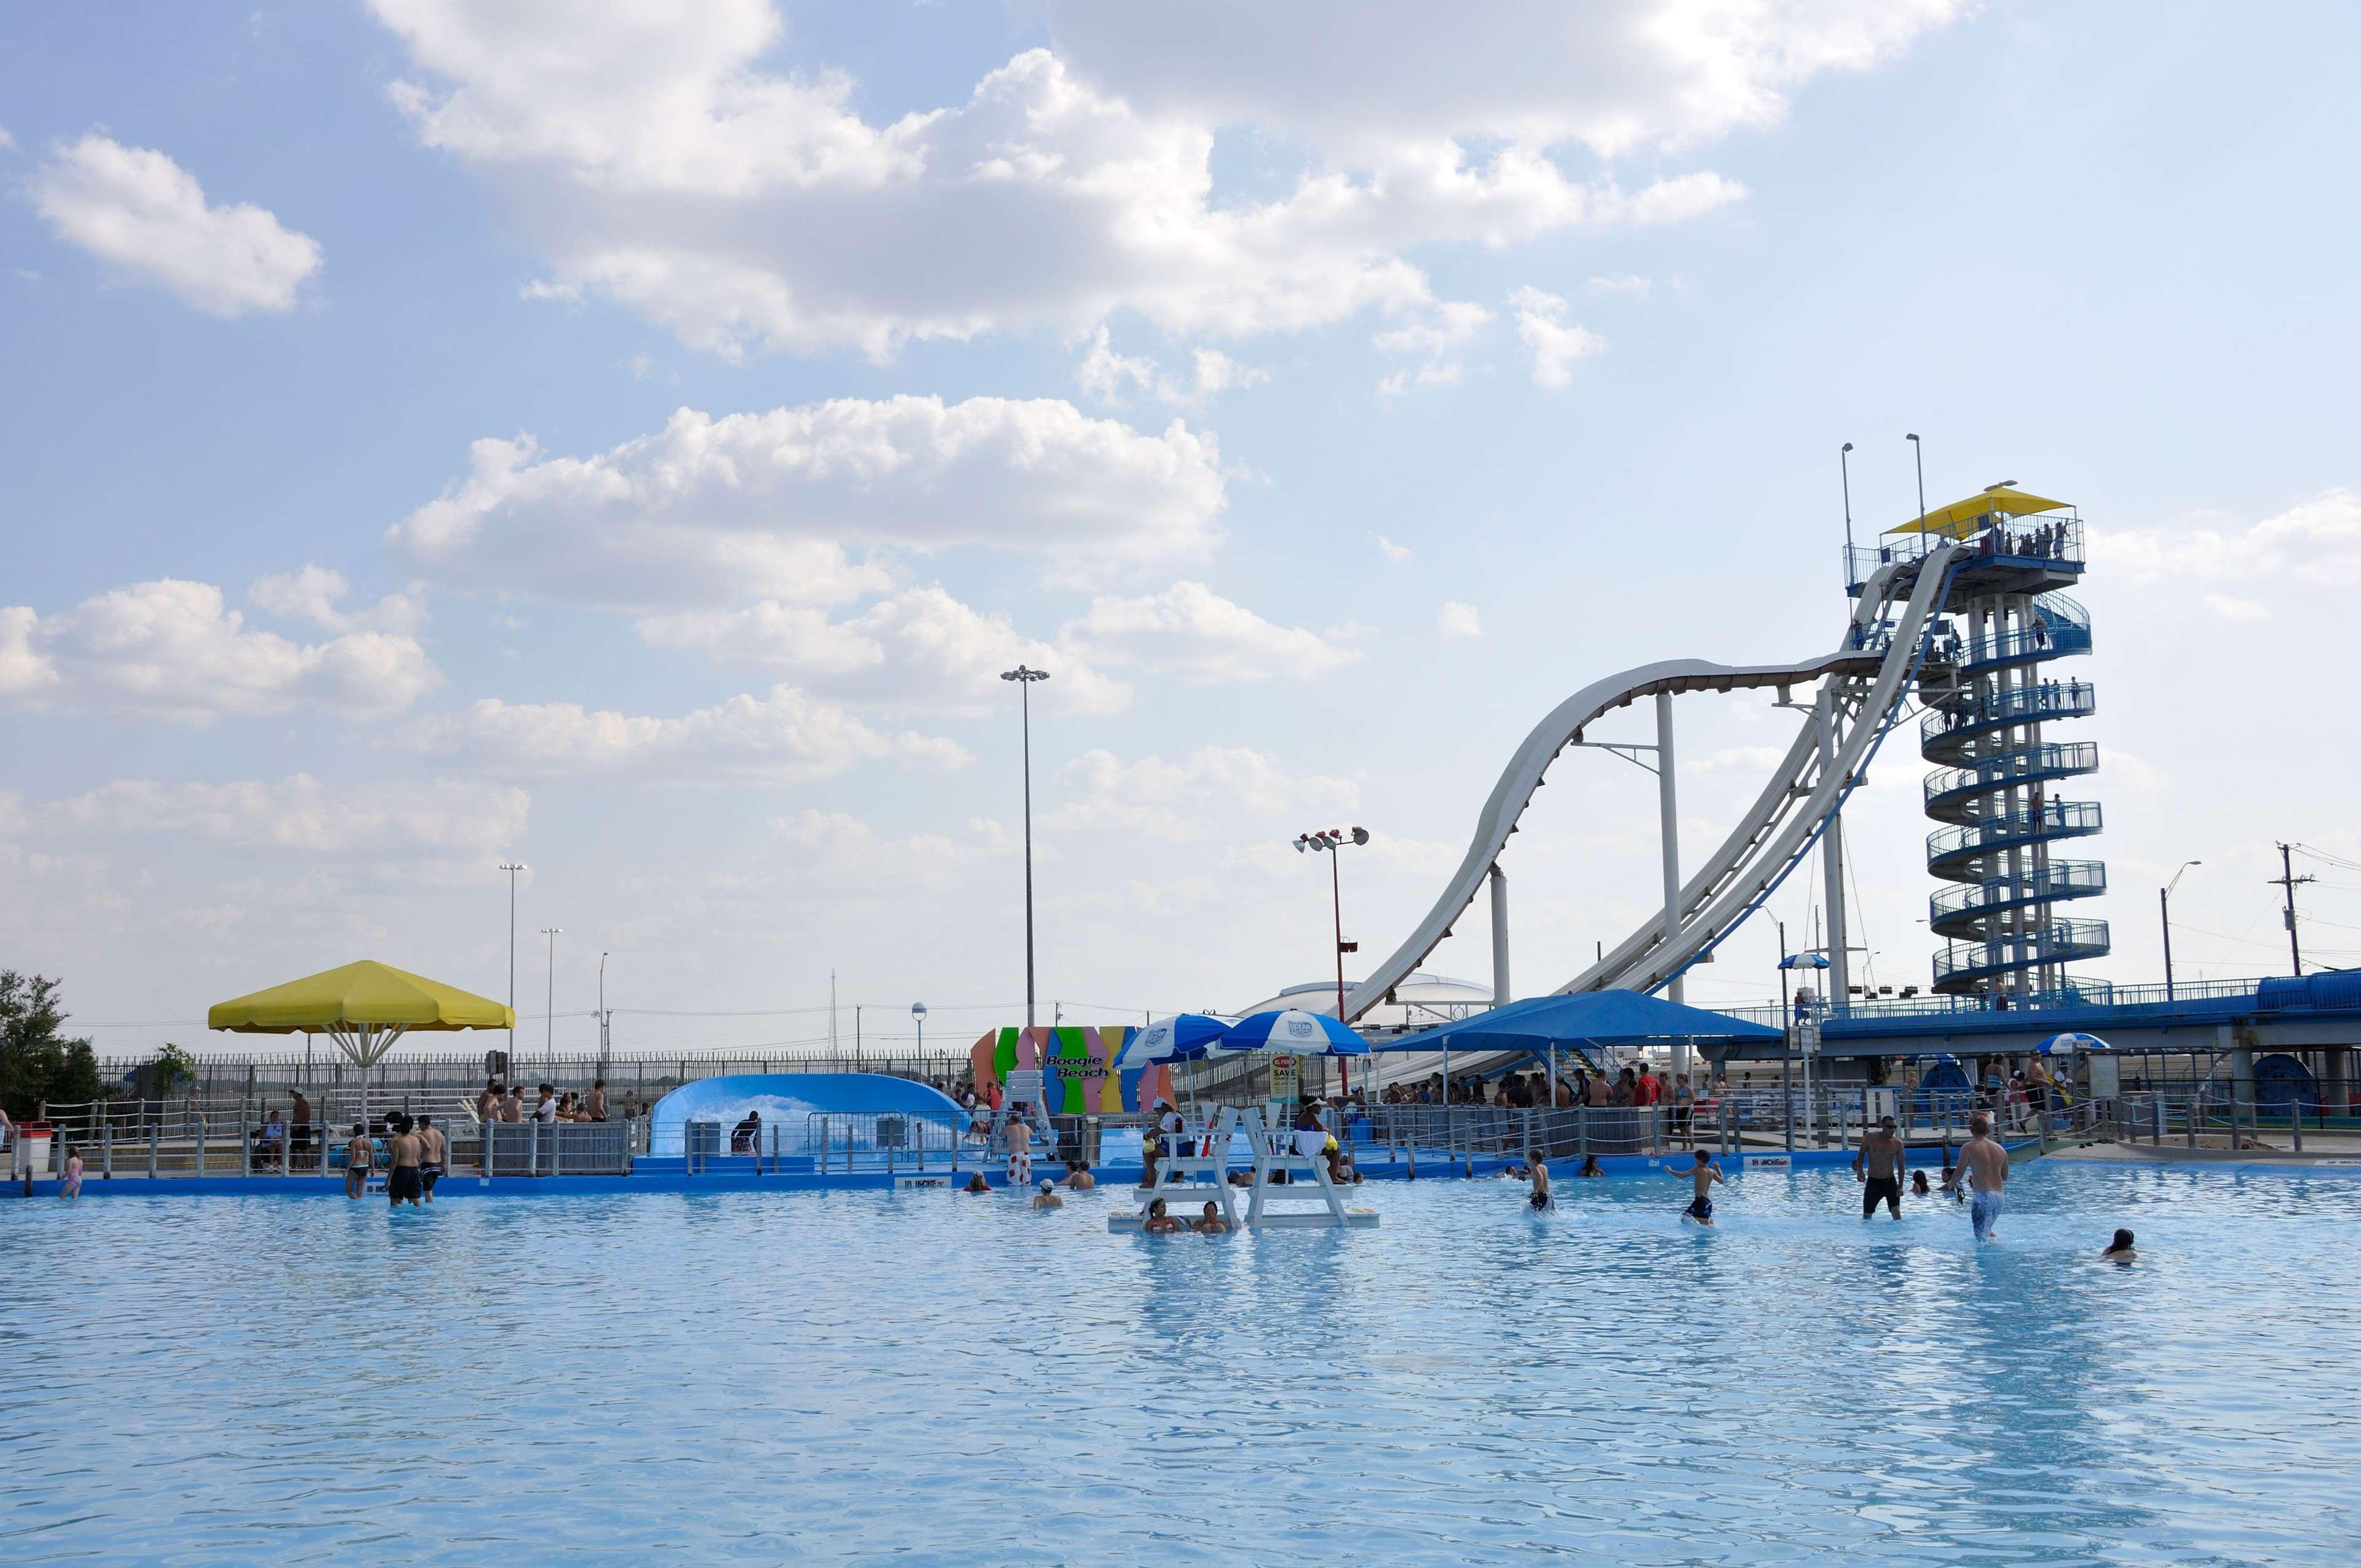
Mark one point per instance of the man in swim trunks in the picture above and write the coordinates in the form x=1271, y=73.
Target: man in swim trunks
x=1703, y=1172
x=1079, y=1178
x=1881, y=1158
x=360, y=1159
x=1020, y=1136
x=1047, y=1198
x=488, y=1103
x=1985, y=1165
x=434, y=1149
x=596, y=1108
x=401, y=1184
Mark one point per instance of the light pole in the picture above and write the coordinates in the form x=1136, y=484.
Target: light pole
x=1918, y=456
x=549, y=1007
x=513, y=868
x=918, y=1012
x=1844, y=471
x=602, y=1014
x=1333, y=841
x=1025, y=679
x=2164, y=913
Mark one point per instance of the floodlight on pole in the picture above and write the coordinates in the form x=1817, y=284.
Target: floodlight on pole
x=918, y=1012
x=1025, y=679
x=513, y=868
x=1844, y=471
x=1918, y=456
x=2164, y=913
x=549, y=1007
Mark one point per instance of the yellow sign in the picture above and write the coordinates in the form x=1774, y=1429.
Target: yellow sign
x=1282, y=1077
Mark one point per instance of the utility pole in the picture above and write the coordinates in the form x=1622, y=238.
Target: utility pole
x=2287, y=879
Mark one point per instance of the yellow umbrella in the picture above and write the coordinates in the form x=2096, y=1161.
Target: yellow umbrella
x=364, y=1007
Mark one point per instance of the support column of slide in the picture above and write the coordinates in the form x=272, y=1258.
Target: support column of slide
x=1840, y=970
x=1501, y=993
x=1668, y=810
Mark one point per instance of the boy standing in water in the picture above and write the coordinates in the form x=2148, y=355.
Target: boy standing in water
x=433, y=1147
x=1985, y=1165
x=1703, y=1172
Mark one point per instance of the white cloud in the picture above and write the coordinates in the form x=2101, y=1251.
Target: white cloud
x=2315, y=540
x=314, y=594
x=1361, y=75
x=655, y=162
x=1178, y=801
x=1555, y=342
x=762, y=506
x=387, y=818
x=1456, y=619
x=1111, y=378
x=1192, y=631
x=850, y=857
x=8, y=142
x=1628, y=283
x=1444, y=373
x=788, y=735
x=171, y=650
x=1399, y=554
x=146, y=216
x=919, y=647
x=1449, y=324
x=2230, y=608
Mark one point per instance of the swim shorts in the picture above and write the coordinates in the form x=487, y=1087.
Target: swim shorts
x=1983, y=1213
x=1020, y=1169
x=428, y=1175
x=1701, y=1209
x=1880, y=1189
x=402, y=1183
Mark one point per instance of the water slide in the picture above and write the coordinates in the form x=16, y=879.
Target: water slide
x=786, y=1101
x=1862, y=686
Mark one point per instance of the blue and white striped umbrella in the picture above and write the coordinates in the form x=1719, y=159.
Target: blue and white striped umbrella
x=1294, y=1030
x=1185, y=1037
x=2070, y=1043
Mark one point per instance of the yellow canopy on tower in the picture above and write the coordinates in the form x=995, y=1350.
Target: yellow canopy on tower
x=1962, y=519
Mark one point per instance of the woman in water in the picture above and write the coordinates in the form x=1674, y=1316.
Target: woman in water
x=1590, y=1167
x=1158, y=1222
x=2120, y=1249
x=1918, y=1188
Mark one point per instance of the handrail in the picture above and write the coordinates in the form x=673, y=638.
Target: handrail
x=2024, y=764
x=2022, y=705
x=2059, y=879
x=2060, y=941
x=2056, y=820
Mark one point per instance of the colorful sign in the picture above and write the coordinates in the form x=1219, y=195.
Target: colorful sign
x=1282, y=1077
x=1076, y=1065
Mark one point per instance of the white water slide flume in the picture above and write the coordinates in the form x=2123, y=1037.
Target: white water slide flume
x=1861, y=690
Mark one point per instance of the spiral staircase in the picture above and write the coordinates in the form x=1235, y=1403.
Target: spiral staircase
x=1992, y=704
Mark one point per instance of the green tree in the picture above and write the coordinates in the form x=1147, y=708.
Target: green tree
x=37, y=1061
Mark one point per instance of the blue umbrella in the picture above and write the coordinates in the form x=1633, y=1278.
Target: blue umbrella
x=1293, y=1029
x=2069, y=1044
x=1185, y=1037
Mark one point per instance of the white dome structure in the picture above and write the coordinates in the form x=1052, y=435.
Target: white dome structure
x=1420, y=1001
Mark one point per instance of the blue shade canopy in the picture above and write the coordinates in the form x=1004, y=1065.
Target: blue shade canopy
x=1184, y=1036
x=2069, y=1044
x=1293, y=1029
x=1590, y=1017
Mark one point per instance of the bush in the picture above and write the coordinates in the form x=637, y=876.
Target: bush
x=37, y=1062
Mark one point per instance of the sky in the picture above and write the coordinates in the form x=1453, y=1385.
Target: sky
x=631, y=440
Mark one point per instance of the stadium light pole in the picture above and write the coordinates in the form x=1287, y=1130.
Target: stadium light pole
x=513, y=867
x=918, y=1012
x=549, y=1007
x=1844, y=471
x=1025, y=679
x=1918, y=456
x=1334, y=840
x=2164, y=912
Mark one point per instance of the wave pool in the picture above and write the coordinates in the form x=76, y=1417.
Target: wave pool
x=936, y=1378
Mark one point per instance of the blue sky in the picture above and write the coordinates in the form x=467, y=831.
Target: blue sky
x=1568, y=309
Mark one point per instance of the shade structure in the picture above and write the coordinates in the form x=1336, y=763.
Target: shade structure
x=1292, y=1030
x=2072, y=1044
x=365, y=1007
x=1184, y=1036
x=1962, y=519
x=1599, y=1018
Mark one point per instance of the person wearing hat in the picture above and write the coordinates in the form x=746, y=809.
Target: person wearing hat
x=1878, y=1166
x=1046, y=1197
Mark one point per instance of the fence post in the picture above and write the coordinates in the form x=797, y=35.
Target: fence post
x=106, y=1149
x=154, y=1129
x=556, y=1146
x=533, y=1148
x=201, y=1145
x=2295, y=1120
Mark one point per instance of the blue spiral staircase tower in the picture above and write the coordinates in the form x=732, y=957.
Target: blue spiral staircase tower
x=1994, y=702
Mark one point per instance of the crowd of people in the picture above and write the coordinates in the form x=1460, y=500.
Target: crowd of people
x=499, y=1102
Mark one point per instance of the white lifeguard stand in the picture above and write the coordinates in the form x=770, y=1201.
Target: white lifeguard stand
x=1193, y=1178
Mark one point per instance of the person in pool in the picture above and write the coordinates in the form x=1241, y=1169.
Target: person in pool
x=1539, y=1169
x=1703, y=1172
x=1158, y=1222
x=1590, y=1167
x=1046, y=1195
x=1918, y=1188
x=1079, y=1178
x=976, y=1183
x=1985, y=1165
x=2120, y=1250
x=1211, y=1224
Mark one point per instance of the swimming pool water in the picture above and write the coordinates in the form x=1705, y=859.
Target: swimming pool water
x=937, y=1379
